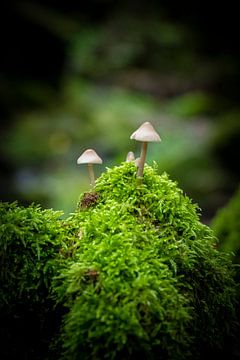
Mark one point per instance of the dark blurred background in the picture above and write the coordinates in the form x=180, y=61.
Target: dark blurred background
x=78, y=75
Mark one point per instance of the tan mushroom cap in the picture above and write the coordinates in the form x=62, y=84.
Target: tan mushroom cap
x=145, y=133
x=89, y=156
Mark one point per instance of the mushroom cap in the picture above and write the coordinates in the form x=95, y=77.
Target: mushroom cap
x=89, y=156
x=130, y=156
x=146, y=133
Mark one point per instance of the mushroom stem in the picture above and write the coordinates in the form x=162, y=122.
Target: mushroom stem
x=91, y=174
x=142, y=159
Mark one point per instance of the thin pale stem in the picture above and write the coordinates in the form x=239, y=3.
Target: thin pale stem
x=91, y=174
x=142, y=159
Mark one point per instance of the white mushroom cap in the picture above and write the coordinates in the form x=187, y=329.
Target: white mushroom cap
x=89, y=156
x=145, y=133
x=130, y=156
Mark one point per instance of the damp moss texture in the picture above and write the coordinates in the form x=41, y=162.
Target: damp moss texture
x=134, y=273
x=34, y=245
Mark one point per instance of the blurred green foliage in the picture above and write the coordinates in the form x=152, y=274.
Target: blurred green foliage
x=227, y=227
x=87, y=82
x=47, y=143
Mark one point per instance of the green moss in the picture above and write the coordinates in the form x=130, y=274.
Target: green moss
x=30, y=239
x=148, y=281
x=34, y=244
x=227, y=227
x=131, y=274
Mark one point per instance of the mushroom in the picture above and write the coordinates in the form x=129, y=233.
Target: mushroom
x=137, y=161
x=90, y=157
x=145, y=133
x=130, y=156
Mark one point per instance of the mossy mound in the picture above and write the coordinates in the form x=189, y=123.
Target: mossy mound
x=131, y=274
x=34, y=245
x=30, y=239
x=147, y=281
x=226, y=225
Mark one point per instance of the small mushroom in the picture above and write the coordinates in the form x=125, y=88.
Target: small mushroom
x=137, y=161
x=130, y=156
x=90, y=157
x=145, y=133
